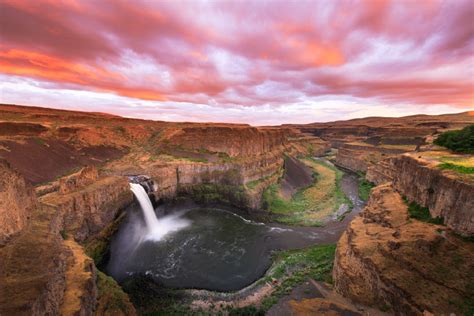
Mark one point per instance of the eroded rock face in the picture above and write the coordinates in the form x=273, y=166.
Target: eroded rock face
x=352, y=160
x=85, y=212
x=78, y=180
x=361, y=157
x=17, y=201
x=444, y=193
x=40, y=272
x=233, y=140
x=387, y=260
x=32, y=269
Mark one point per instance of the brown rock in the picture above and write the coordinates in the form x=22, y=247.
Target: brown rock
x=419, y=271
x=446, y=195
x=78, y=180
x=87, y=211
x=17, y=202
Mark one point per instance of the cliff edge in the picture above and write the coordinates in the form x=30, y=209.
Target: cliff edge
x=399, y=264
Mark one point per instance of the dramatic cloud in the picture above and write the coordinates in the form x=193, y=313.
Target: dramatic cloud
x=259, y=62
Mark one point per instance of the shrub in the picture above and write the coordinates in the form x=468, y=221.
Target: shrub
x=459, y=141
x=421, y=213
x=364, y=189
x=457, y=168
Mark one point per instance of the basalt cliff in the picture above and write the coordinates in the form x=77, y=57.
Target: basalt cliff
x=402, y=265
x=64, y=188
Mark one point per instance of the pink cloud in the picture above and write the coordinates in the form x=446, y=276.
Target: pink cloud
x=246, y=53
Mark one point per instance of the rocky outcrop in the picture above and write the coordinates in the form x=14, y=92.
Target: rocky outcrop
x=230, y=178
x=17, y=202
x=85, y=212
x=406, y=266
x=173, y=178
x=445, y=193
x=297, y=175
x=233, y=140
x=359, y=157
x=32, y=269
x=41, y=273
x=382, y=172
x=351, y=160
x=79, y=180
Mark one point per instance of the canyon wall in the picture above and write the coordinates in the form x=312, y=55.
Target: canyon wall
x=84, y=210
x=401, y=265
x=351, y=160
x=359, y=157
x=232, y=140
x=247, y=155
x=183, y=177
x=17, y=201
x=445, y=193
x=43, y=271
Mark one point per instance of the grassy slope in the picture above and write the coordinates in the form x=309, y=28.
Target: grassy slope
x=312, y=205
x=294, y=267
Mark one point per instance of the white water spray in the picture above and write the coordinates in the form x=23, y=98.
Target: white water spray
x=147, y=208
x=156, y=228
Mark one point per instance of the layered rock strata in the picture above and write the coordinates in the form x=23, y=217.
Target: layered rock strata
x=43, y=271
x=406, y=266
x=17, y=201
x=445, y=193
x=86, y=210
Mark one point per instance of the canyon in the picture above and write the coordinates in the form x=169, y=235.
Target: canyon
x=64, y=192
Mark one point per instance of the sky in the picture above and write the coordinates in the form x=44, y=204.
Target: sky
x=256, y=62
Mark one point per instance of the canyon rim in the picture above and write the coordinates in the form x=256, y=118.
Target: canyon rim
x=236, y=158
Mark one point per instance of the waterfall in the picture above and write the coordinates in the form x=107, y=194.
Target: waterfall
x=156, y=229
x=149, y=213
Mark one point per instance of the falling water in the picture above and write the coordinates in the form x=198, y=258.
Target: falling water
x=149, y=213
x=156, y=229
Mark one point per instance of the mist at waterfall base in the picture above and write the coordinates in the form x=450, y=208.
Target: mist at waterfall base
x=155, y=229
x=189, y=246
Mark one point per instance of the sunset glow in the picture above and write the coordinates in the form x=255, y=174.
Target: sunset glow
x=261, y=62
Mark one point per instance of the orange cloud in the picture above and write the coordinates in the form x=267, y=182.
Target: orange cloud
x=244, y=53
x=36, y=65
x=320, y=55
x=139, y=94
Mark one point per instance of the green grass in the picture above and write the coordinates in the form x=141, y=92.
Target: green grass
x=364, y=189
x=294, y=267
x=278, y=205
x=421, y=213
x=458, y=141
x=457, y=168
x=112, y=294
x=309, y=206
x=253, y=184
